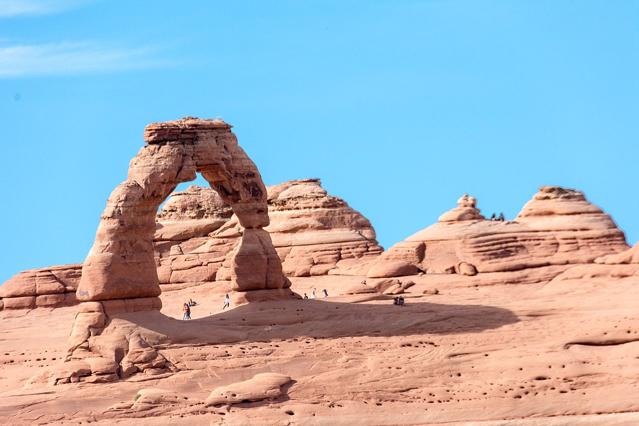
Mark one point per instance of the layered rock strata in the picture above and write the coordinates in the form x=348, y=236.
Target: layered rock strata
x=558, y=226
x=312, y=232
x=45, y=287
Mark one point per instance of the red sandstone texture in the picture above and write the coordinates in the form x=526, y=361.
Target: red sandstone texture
x=557, y=227
x=466, y=347
x=313, y=233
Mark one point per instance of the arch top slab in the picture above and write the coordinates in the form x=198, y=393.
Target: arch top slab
x=121, y=262
x=221, y=161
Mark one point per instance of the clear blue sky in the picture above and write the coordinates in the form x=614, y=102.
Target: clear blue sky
x=398, y=106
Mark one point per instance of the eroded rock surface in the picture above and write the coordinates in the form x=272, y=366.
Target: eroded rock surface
x=50, y=287
x=557, y=227
x=259, y=387
x=312, y=232
x=121, y=263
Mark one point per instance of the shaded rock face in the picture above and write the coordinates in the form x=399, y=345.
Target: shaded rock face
x=312, y=232
x=558, y=226
x=121, y=263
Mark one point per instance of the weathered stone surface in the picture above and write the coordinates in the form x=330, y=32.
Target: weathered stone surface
x=392, y=268
x=50, y=300
x=558, y=226
x=312, y=232
x=630, y=256
x=197, y=234
x=261, y=386
x=38, y=282
x=22, y=302
x=121, y=264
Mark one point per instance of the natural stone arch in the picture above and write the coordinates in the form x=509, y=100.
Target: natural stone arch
x=121, y=262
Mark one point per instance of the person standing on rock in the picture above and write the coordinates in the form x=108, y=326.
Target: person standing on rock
x=313, y=294
x=187, y=312
x=325, y=293
x=227, y=302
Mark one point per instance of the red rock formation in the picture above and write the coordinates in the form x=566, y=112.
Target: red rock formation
x=558, y=226
x=121, y=264
x=119, y=275
x=313, y=233
x=45, y=287
x=630, y=256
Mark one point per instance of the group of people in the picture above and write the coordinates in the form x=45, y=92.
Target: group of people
x=499, y=218
x=313, y=296
x=399, y=300
x=186, y=308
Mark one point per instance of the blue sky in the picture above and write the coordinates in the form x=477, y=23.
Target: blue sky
x=398, y=106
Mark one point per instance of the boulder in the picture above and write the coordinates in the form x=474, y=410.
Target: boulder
x=392, y=268
x=262, y=386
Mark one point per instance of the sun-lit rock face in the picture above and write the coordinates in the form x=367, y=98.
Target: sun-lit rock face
x=630, y=256
x=121, y=263
x=197, y=236
x=558, y=226
x=312, y=232
x=53, y=286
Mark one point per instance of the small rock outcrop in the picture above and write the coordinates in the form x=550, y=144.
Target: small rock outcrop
x=630, y=256
x=262, y=386
x=50, y=287
x=558, y=226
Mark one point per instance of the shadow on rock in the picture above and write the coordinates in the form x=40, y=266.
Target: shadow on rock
x=281, y=320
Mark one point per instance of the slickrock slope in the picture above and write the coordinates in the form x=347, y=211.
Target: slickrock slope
x=559, y=353
x=557, y=227
x=313, y=233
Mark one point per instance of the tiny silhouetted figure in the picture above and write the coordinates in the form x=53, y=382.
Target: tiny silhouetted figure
x=395, y=300
x=305, y=296
x=501, y=217
x=187, y=312
x=493, y=216
x=313, y=294
x=400, y=301
x=227, y=301
x=325, y=293
x=192, y=302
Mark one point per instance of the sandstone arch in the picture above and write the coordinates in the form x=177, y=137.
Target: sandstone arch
x=121, y=265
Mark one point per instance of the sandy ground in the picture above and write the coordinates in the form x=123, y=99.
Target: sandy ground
x=562, y=353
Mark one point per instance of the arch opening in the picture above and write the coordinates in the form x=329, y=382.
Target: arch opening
x=121, y=263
